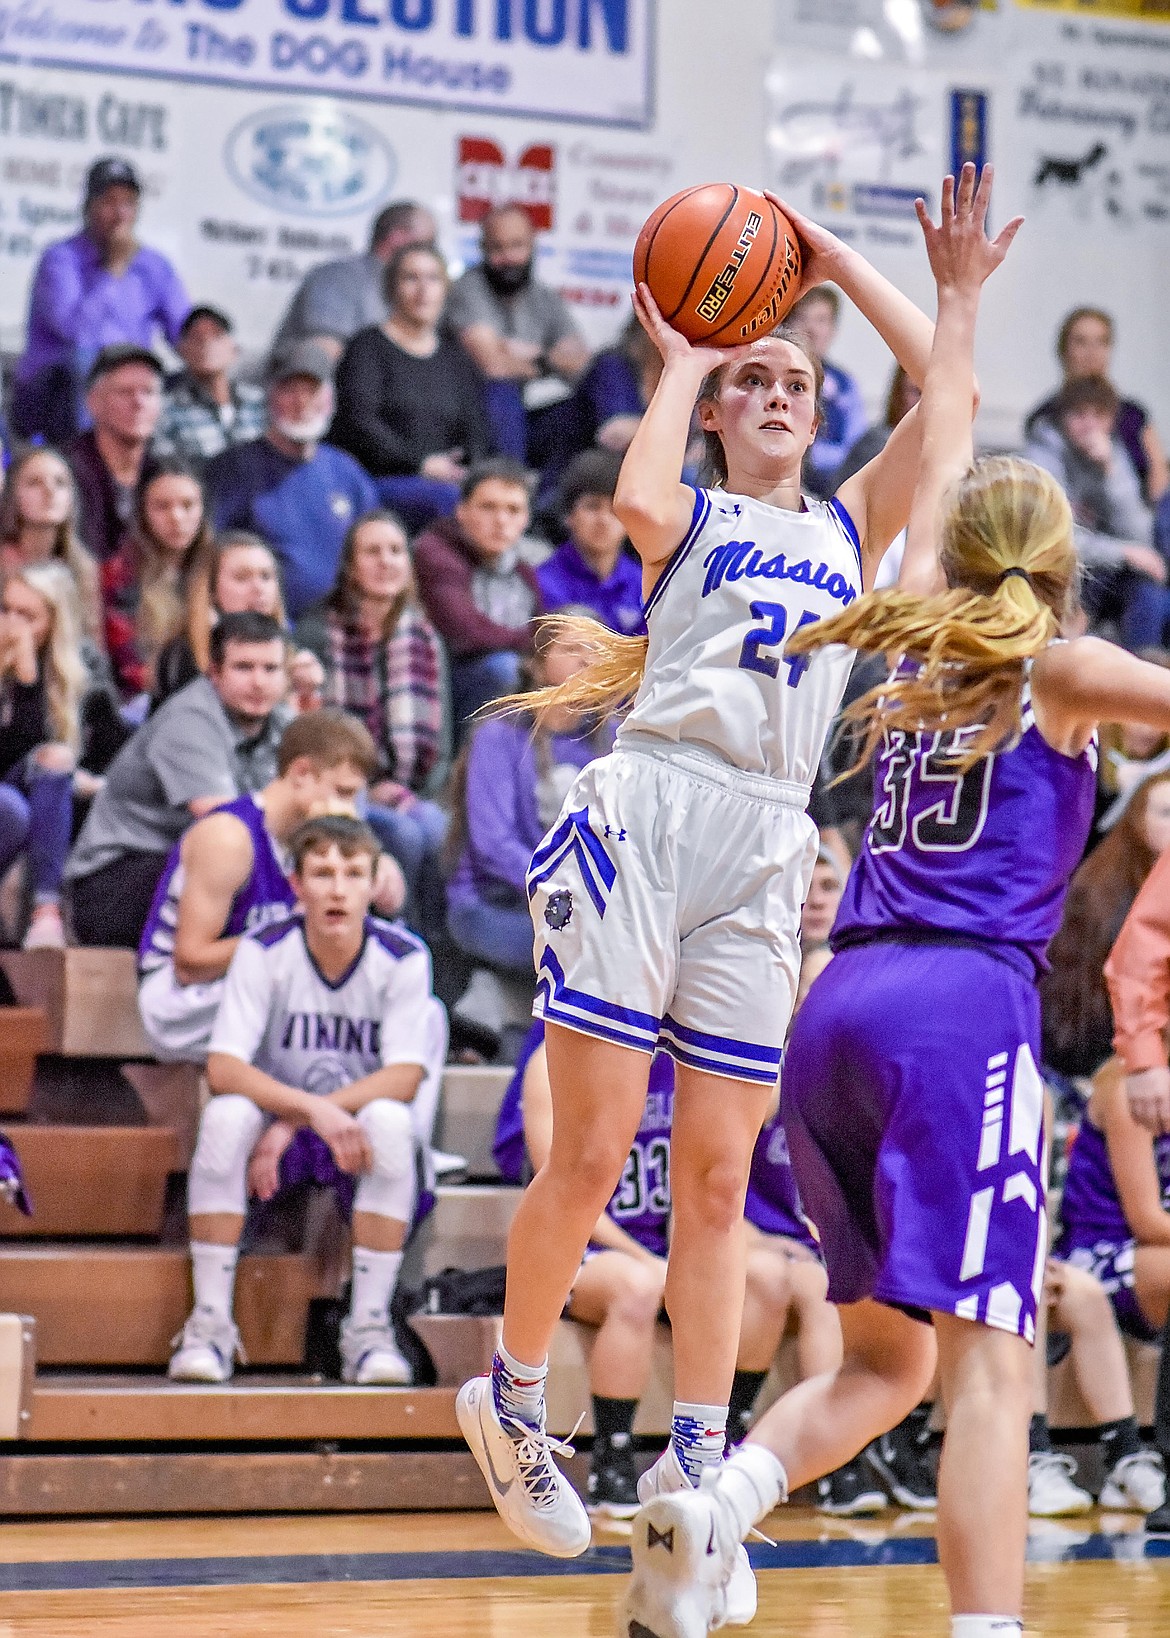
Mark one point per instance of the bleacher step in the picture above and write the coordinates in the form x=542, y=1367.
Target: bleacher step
x=25, y=1032
x=122, y=1305
x=472, y=1094
x=468, y=1227
x=111, y=1408
x=91, y=1180
x=90, y=998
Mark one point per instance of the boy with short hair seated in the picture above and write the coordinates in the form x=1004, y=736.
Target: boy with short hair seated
x=326, y=1031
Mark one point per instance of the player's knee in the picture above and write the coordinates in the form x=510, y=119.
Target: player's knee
x=767, y=1281
x=387, y=1124
x=711, y=1194
x=228, y=1130
x=593, y=1168
x=1084, y=1302
x=638, y=1298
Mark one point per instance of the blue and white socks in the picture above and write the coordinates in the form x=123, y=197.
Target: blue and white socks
x=699, y=1436
x=518, y=1389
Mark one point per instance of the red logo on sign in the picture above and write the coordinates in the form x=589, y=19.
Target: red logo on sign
x=487, y=177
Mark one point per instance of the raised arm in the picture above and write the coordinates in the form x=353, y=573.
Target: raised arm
x=932, y=445
x=651, y=499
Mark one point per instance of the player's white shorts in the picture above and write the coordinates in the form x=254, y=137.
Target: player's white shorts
x=177, y=1018
x=666, y=901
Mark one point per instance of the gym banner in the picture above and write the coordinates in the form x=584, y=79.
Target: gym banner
x=1136, y=11
x=575, y=60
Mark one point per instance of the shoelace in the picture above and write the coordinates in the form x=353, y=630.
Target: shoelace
x=534, y=1448
x=1051, y=1461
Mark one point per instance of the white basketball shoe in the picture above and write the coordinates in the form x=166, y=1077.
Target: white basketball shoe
x=666, y=1478
x=370, y=1356
x=206, y=1349
x=686, y=1550
x=531, y=1494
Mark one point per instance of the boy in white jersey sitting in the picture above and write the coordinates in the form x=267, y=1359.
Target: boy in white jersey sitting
x=322, y=1039
x=228, y=876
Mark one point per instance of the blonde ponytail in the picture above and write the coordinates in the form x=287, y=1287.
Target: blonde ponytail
x=610, y=679
x=1008, y=556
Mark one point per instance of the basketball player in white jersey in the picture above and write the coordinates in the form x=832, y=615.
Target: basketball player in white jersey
x=323, y=1037
x=228, y=876
x=666, y=901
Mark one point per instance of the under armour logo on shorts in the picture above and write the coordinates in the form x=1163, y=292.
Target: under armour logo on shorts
x=618, y=832
x=558, y=912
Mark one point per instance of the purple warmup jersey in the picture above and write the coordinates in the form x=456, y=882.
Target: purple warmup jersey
x=1091, y=1208
x=266, y=896
x=773, y=1200
x=983, y=855
x=641, y=1201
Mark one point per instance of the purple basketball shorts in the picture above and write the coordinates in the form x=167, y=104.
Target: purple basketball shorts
x=915, y=1120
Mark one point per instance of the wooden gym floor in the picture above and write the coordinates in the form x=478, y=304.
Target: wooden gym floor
x=461, y=1576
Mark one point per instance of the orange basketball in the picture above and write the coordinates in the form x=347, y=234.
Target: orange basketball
x=722, y=263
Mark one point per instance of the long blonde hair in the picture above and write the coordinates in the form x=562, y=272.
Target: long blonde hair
x=67, y=547
x=161, y=581
x=1008, y=556
x=66, y=679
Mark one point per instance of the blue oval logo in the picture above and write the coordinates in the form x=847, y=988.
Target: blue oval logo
x=311, y=159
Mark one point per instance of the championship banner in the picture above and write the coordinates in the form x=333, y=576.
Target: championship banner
x=573, y=60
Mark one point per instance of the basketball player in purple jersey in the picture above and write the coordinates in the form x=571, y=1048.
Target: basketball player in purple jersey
x=911, y=1098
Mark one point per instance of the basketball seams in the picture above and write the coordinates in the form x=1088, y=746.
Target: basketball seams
x=702, y=257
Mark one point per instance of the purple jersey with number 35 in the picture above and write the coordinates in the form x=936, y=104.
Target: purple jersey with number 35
x=986, y=855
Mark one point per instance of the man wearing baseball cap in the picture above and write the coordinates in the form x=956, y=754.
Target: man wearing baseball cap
x=205, y=410
x=100, y=288
x=295, y=492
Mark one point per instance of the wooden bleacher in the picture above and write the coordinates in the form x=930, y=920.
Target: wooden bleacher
x=102, y=1271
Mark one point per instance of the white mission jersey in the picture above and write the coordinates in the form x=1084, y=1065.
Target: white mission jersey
x=281, y=1014
x=746, y=576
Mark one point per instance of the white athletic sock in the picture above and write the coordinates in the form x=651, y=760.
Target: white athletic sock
x=753, y=1480
x=375, y=1274
x=213, y=1273
x=986, y=1626
x=518, y=1389
x=698, y=1434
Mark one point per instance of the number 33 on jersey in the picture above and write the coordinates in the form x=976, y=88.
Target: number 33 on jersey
x=745, y=577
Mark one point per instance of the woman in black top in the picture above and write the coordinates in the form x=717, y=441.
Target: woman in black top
x=410, y=400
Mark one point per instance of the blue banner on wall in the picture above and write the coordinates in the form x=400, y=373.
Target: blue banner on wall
x=577, y=60
x=968, y=129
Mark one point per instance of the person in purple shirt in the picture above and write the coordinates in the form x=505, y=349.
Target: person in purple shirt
x=593, y=571
x=100, y=288
x=515, y=778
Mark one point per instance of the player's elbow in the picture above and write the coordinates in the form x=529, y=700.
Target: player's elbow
x=976, y=397
x=221, y=1072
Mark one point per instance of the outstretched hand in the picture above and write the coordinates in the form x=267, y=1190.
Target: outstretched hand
x=961, y=255
x=671, y=343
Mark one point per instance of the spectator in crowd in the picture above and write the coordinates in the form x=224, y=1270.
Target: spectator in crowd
x=1129, y=753
x=410, y=402
x=620, y=1289
x=384, y=663
x=215, y=738
x=521, y=334
x=594, y=569
x=508, y=787
x=144, y=583
x=337, y=299
x=204, y=408
x=477, y=592
x=900, y=400
x=98, y=289
x=1080, y=447
x=236, y=574
x=108, y=462
x=1077, y=1311
x=294, y=491
x=1084, y=346
x=38, y=523
x=1077, y=1033
x=842, y=408
x=227, y=877
x=613, y=393
x=48, y=673
x=287, y=1108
